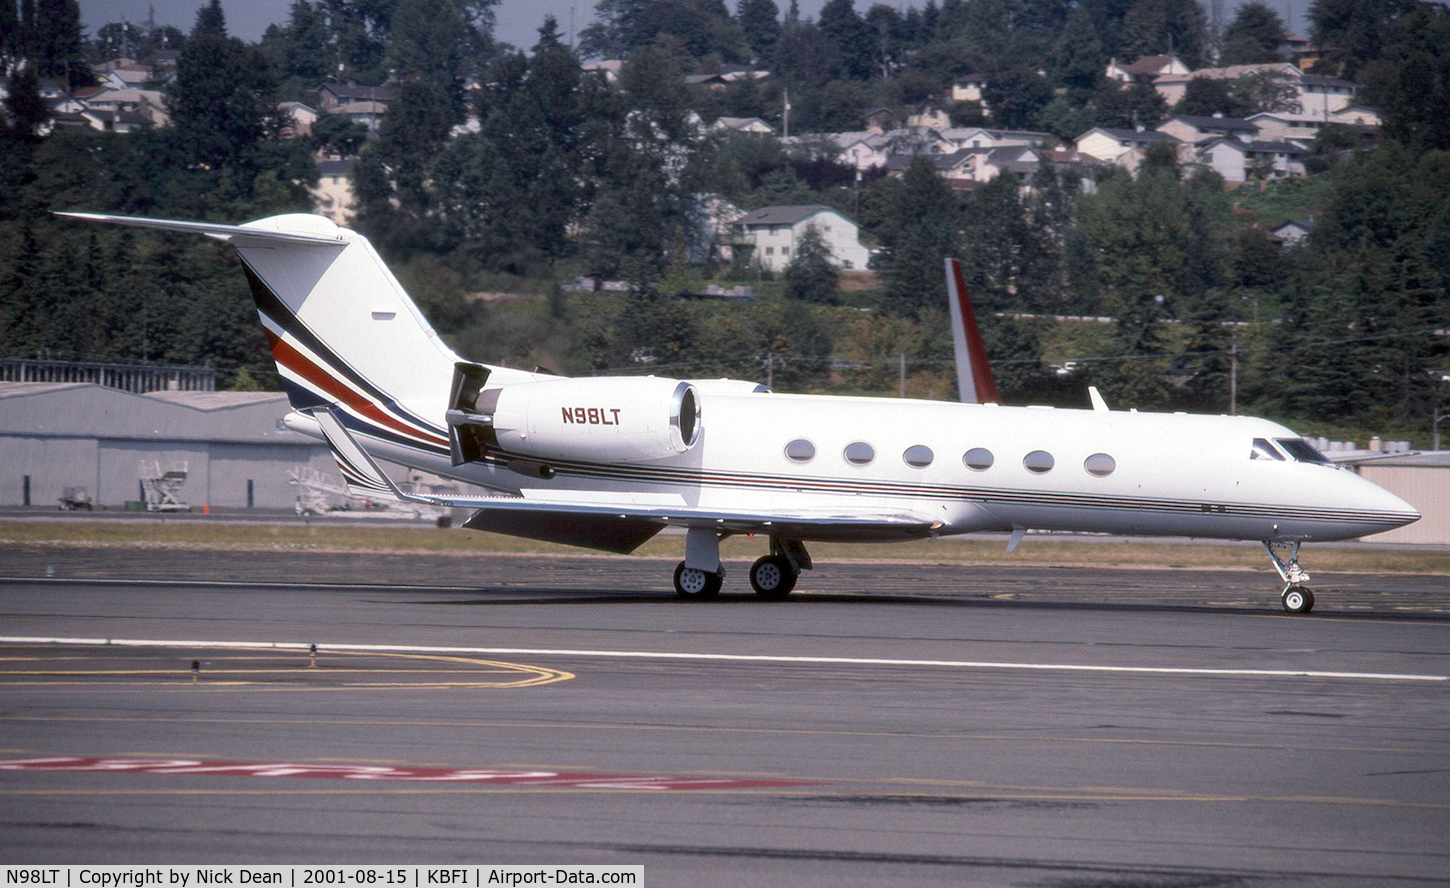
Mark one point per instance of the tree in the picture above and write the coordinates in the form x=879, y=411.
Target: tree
x=1254, y=35
x=1410, y=82
x=918, y=220
x=847, y=38
x=810, y=276
x=1353, y=32
x=58, y=44
x=1207, y=96
x=1016, y=97
x=760, y=23
x=1153, y=27
x=26, y=110
x=224, y=100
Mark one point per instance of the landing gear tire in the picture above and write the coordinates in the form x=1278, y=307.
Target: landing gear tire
x=1298, y=600
x=773, y=577
x=693, y=583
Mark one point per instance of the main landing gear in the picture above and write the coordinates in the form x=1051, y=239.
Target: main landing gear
x=772, y=577
x=1297, y=598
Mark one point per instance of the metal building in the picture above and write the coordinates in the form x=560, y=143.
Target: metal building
x=1423, y=481
x=236, y=452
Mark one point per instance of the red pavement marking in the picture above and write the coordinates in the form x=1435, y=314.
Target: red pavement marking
x=387, y=772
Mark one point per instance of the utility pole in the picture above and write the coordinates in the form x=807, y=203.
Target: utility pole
x=1233, y=371
x=902, y=385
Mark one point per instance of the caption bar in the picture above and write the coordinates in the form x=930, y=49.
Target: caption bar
x=317, y=876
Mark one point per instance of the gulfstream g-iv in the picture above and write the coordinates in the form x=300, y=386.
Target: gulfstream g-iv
x=608, y=462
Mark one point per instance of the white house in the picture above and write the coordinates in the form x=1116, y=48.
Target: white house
x=1241, y=161
x=773, y=232
x=1193, y=128
x=1123, y=147
x=1145, y=68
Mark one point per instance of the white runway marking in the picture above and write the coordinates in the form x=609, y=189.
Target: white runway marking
x=739, y=658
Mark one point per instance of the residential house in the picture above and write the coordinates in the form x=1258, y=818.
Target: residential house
x=743, y=125
x=332, y=196
x=300, y=118
x=1293, y=231
x=149, y=103
x=1240, y=161
x=771, y=233
x=1172, y=86
x=1145, y=69
x=1123, y=147
x=980, y=137
x=336, y=96
x=1325, y=95
x=608, y=69
x=1194, y=129
x=929, y=117
x=968, y=89
x=881, y=120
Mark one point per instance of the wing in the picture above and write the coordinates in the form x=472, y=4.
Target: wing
x=616, y=521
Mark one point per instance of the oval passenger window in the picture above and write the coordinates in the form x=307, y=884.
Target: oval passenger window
x=918, y=456
x=800, y=451
x=1100, y=464
x=1039, y=462
x=860, y=453
x=978, y=459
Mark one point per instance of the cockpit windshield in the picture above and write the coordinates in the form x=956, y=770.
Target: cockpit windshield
x=1302, y=450
x=1264, y=450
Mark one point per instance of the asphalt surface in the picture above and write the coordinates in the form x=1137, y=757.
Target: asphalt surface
x=895, y=724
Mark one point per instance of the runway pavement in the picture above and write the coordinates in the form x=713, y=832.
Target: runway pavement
x=895, y=725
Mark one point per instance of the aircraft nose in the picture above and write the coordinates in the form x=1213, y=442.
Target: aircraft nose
x=1389, y=507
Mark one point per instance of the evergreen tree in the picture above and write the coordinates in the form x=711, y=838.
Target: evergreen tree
x=918, y=219
x=224, y=100
x=847, y=38
x=1254, y=35
x=26, y=110
x=811, y=276
x=760, y=23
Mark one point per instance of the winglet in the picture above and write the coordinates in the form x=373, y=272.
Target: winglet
x=1097, y=399
x=974, y=373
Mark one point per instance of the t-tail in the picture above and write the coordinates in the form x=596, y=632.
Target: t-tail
x=343, y=331
x=974, y=374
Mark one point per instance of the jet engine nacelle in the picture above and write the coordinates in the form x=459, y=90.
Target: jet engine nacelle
x=610, y=419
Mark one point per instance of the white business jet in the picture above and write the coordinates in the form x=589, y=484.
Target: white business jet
x=608, y=462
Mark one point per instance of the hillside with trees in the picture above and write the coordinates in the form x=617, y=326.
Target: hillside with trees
x=500, y=174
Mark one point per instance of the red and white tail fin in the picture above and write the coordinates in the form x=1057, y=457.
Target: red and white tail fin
x=974, y=374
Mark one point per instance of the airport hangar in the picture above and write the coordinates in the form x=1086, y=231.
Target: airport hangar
x=56, y=435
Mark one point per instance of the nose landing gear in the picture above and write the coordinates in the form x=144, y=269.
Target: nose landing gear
x=1297, y=598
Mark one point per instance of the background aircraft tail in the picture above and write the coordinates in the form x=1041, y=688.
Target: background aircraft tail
x=974, y=374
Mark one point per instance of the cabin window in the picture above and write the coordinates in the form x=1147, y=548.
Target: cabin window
x=1100, y=465
x=860, y=453
x=978, y=459
x=800, y=451
x=1039, y=462
x=918, y=456
x=1303, y=451
x=1264, y=450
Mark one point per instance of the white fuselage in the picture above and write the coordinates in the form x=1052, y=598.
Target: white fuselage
x=1100, y=471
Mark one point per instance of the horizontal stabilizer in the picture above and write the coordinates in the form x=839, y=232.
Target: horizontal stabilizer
x=225, y=232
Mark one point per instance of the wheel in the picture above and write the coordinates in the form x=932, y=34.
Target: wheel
x=773, y=577
x=1298, y=600
x=691, y=582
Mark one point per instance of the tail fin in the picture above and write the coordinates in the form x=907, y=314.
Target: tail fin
x=342, y=329
x=974, y=374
